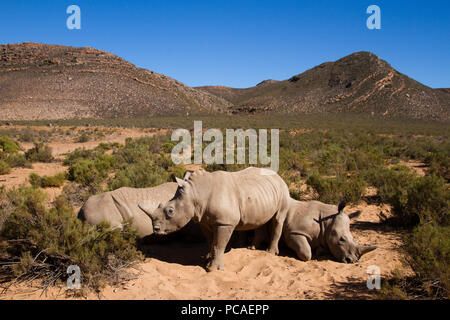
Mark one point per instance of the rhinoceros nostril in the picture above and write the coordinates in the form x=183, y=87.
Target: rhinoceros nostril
x=348, y=260
x=156, y=228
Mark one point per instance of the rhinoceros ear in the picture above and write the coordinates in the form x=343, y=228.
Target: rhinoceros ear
x=341, y=206
x=355, y=214
x=181, y=183
x=187, y=174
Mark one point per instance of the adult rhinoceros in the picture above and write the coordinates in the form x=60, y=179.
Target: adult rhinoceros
x=311, y=225
x=121, y=204
x=222, y=202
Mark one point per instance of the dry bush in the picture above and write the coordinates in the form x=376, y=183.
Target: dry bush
x=41, y=242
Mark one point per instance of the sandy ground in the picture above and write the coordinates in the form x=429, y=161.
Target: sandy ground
x=174, y=270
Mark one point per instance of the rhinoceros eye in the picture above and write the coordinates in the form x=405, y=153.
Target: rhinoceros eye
x=170, y=212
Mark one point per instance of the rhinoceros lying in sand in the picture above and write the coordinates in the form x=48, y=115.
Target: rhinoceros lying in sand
x=222, y=202
x=311, y=225
x=116, y=206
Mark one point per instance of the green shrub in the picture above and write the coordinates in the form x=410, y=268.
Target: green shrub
x=39, y=153
x=332, y=190
x=104, y=163
x=177, y=171
x=55, y=181
x=439, y=165
x=76, y=194
x=292, y=161
x=167, y=147
x=295, y=194
x=81, y=153
x=8, y=145
x=331, y=160
x=429, y=200
x=102, y=146
x=140, y=175
x=40, y=242
x=363, y=159
x=35, y=180
x=47, y=181
x=412, y=198
x=4, y=167
x=17, y=160
x=163, y=162
x=428, y=249
x=86, y=173
x=394, y=191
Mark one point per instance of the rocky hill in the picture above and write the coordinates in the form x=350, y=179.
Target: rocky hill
x=40, y=81
x=358, y=83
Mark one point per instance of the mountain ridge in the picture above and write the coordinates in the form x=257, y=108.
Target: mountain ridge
x=358, y=83
x=40, y=81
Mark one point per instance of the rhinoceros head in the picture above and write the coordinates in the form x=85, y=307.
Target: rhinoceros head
x=340, y=241
x=176, y=213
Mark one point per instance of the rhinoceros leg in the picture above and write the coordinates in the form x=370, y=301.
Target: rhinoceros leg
x=209, y=238
x=221, y=236
x=277, y=228
x=300, y=245
x=259, y=237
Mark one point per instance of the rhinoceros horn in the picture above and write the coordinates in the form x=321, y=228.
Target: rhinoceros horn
x=365, y=249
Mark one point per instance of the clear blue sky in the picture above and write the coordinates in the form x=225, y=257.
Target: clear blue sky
x=239, y=43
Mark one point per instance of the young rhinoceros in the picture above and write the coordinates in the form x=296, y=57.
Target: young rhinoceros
x=222, y=202
x=121, y=204
x=311, y=225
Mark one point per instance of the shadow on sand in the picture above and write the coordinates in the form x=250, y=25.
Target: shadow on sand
x=188, y=250
x=353, y=289
x=186, y=247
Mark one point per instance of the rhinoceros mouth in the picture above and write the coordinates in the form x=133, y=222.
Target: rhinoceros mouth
x=349, y=260
x=157, y=230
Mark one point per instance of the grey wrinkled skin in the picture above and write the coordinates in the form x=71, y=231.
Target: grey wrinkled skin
x=222, y=202
x=313, y=225
x=121, y=204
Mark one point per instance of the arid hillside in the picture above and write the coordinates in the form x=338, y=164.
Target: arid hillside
x=48, y=82
x=40, y=81
x=358, y=83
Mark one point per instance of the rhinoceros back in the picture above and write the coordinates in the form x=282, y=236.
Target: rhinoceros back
x=249, y=197
x=261, y=194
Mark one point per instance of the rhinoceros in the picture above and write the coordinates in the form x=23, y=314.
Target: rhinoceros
x=311, y=225
x=222, y=202
x=121, y=204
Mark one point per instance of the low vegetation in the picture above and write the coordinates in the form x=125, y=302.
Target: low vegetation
x=4, y=167
x=37, y=241
x=329, y=160
x=139, y=163
x=10, y=156
x=55, y=181
x=8, y=145
x=39, y=153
